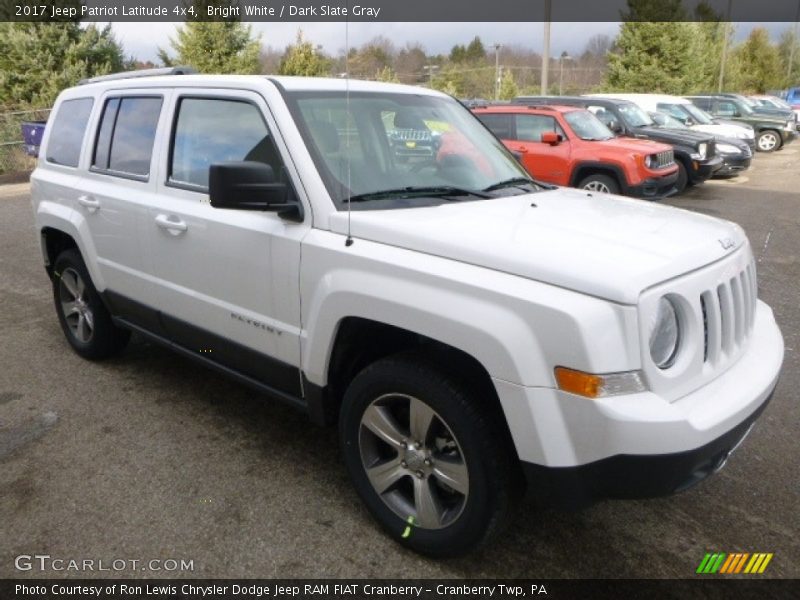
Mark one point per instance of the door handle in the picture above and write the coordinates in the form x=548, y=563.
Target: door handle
x=521, y=150
x=171, y=223
x=89, y=202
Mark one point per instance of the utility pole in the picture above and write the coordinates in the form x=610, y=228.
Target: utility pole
x=497, y=71
x=561, y=60
x=546, y=49
x=724, y=48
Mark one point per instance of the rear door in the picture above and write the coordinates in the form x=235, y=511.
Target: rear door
x=116, y=191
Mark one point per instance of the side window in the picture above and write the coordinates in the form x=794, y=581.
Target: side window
x=69, y=127
x=500, y=125
x=703, y=103
x=212, y=130
x=531, y=127
x=671, y=109
x=126, y=135
x=726, y=109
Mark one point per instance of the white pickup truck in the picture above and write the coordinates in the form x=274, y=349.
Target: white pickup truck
x=467, y=327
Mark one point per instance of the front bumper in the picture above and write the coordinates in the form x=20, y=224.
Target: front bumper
x=578, y=450
x=704, y=169
x=635, y=476
x=733, y=165
x=654, y=188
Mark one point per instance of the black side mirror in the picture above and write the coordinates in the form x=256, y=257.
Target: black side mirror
x=689, y=121
x=615, y=126
x=250, y=185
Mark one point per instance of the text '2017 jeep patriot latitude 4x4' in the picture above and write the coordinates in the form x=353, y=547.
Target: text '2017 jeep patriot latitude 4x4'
x=465, y=325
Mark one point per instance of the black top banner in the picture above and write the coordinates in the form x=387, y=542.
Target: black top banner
x=400, y=11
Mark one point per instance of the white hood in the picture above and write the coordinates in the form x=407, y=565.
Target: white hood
x=730, y=131
x=606, y=246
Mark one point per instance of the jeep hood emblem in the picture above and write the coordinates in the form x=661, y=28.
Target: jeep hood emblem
x=726, y=243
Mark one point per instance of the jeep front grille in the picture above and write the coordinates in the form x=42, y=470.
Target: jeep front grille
x=412, y=135
x=665, y=159
x=728, y=314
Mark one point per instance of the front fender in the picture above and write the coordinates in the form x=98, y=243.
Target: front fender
x=518, y=329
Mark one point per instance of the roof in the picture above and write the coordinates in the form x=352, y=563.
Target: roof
x=515, y=108
x=568, y=100
x=164, y=79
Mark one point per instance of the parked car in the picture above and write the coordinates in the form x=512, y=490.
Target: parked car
x=793, y=98
x=690, y=115
x=465, y=326
x=694, y=151
x=769, y=101
x=780, y=112
x=568, y=145
x=735, y=153
x=772, y=132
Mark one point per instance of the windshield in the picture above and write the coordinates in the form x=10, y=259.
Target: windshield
x=698, y=114
x=586, y=126
x=388, y=150
x=667, y=121
x=634, y=116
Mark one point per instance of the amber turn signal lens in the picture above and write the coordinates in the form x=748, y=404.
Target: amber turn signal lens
x=578, y=382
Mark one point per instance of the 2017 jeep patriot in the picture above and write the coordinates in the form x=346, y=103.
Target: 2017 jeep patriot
x=464, y=325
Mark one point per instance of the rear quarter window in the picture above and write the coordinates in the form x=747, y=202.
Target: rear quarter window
x=69, y=127
x=126, y=135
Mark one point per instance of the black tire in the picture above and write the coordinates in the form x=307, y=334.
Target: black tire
x=77, y=301
x=479, y=440
x=600, y=183
x=683, y=177
x=768, y=140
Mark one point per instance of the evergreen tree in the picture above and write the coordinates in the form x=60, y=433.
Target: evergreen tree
x=303, y=59
x=656, y=51
x=388, y=75
x=215, y=47
x=508, y=87
x=760, y=63
x=38, y=60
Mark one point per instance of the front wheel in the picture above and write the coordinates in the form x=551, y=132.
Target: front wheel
x=683, y=178
x=768, y=141
x=427, y=457
x=599, y=183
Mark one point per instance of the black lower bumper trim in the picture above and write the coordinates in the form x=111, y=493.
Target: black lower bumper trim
x=654, y=188
x=633, y=476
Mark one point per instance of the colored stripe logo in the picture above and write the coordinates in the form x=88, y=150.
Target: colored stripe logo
x=736, y=562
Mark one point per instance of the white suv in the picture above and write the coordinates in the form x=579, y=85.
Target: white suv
x=467, y=326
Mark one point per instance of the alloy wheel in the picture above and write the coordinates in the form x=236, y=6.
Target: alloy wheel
x=413, y=461
x=767, y=141
x=597, y=186
x=77, y=312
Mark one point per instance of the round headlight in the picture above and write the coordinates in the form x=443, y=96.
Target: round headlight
x=665, y=334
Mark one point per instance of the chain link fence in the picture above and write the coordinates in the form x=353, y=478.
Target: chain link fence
x=12, y=150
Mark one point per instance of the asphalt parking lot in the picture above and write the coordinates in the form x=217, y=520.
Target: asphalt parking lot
x=149, y=456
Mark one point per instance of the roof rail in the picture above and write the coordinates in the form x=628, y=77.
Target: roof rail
x=183, y=70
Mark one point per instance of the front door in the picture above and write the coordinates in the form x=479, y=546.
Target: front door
x=228, y=280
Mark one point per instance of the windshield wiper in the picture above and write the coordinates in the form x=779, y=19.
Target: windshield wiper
x=438, y=191
x=513, y=182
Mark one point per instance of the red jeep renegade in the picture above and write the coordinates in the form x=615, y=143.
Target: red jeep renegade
x=567, y=145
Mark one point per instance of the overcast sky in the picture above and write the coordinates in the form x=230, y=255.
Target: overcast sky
x=143, y=39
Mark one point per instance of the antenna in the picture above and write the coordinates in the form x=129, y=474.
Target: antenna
x=349, y=241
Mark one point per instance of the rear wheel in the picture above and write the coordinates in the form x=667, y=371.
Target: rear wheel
x=84, y=319
x=600, y=183
x=768, y=141
x=427, y=457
